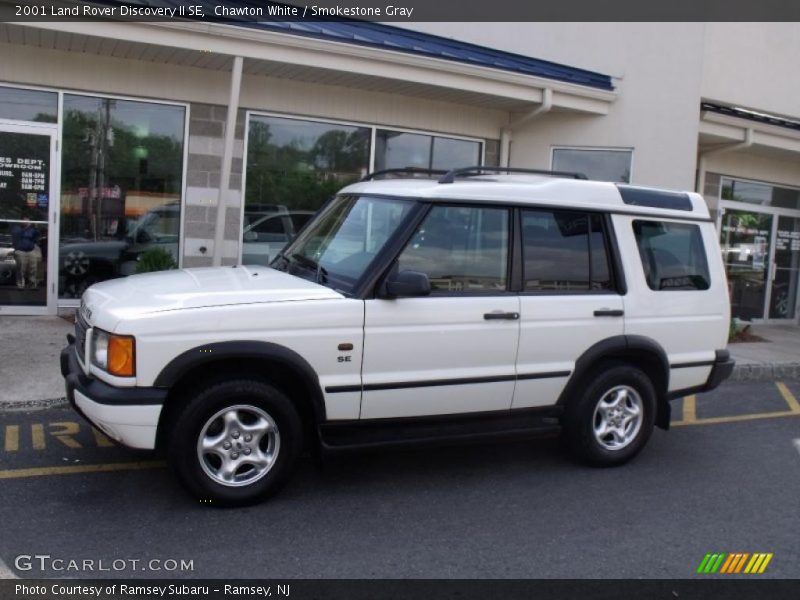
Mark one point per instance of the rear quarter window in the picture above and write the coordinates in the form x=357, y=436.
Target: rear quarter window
x=672, y=254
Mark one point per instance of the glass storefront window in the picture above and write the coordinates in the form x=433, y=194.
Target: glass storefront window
x=597, y=164
x=449, y=153
x=398, y=150
x=28, y=105
x=121, y=178
x=753, y=192
x=293, y=167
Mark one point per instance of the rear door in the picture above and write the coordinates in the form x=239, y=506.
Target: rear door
x=680, y=294
x=453, y=351
x=569, y=299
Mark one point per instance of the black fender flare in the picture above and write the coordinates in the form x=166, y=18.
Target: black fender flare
x=626, y=344
x=245, y=349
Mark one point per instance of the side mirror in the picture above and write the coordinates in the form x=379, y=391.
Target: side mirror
x=250, y=236
x=408, y=284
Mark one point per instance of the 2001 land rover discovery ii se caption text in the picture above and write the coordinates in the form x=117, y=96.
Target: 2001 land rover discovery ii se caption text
x=415, y=306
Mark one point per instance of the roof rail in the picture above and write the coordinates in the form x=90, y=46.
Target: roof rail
x=405, y=170
x=451, y=175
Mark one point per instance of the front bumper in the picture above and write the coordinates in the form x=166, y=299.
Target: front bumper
x=127, y=415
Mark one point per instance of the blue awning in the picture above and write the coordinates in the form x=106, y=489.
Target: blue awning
x=386, y=37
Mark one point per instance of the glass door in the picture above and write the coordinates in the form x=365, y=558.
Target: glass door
x=27, y=167
x=785, y=269
x=745, y=237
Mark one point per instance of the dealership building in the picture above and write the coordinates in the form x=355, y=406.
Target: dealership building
x=119, y=140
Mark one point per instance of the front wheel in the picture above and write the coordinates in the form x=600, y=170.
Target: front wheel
x=236, y=442
x=612, y=420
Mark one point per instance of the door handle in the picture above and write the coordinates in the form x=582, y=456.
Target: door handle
x=606, y=312
x=496, y=316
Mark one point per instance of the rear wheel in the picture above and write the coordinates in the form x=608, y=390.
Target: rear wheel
x=235, y=442
x=612, y=420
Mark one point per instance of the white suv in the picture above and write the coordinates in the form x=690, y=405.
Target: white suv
x=480, y=304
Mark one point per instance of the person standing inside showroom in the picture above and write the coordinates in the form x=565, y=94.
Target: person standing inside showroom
x=27, y=253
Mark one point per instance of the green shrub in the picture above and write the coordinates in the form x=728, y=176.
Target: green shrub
x=155, y=259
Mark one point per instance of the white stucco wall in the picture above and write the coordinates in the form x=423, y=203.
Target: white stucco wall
x=149, y=80
x=657, y=70
x=753, y=65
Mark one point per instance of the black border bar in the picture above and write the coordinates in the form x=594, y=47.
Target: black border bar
x=745, y=587
x=410, y=11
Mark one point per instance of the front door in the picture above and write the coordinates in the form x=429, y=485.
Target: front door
x=785, y=269
x=455, y=350
x=27, y=211
x=745, y=238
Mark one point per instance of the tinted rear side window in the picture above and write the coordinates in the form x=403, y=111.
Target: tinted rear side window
x=564, y=251
x=672, y=254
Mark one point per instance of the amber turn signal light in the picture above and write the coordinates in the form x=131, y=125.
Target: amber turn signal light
x=120, y=356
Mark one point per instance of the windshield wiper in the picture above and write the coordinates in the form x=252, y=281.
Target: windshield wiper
x=321, y=275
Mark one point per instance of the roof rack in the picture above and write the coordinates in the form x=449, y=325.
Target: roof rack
x=451, y=175
x=404, y=170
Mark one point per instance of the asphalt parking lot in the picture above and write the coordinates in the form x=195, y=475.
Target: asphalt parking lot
x=725, y=479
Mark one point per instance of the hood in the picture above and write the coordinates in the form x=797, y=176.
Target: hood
x=137, y=295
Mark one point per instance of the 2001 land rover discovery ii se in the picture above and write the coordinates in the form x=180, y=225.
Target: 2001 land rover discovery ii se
x=477, y=304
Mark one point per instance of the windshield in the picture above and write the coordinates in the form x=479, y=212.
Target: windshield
x=338, y=245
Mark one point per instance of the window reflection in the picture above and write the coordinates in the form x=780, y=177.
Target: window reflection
x=764, y=194
x=122, y=166
x=293, y=167
x=398, y=150
x=596, y=164
x=460, y=249
x=28, y=105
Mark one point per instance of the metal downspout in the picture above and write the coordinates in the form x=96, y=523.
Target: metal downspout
x=227, y=159
x=507, y=131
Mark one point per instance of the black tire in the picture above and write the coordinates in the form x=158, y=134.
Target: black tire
x=584, y=417
x=252, y=402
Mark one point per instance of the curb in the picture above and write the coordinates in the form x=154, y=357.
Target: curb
x=765, y=371
x=31, y=405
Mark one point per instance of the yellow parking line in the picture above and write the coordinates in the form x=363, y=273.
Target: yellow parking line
x=690, y=409
x=37, y=436
x=101, y=440
x=794, y=405
x=12, y=438
x=73, y=469
x=736, y=418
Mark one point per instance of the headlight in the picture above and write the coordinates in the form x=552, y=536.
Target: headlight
x=113, y=353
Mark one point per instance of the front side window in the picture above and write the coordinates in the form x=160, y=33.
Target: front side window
x=461, y=249
x=673, y=255
x=565, y=251
x=339, y=244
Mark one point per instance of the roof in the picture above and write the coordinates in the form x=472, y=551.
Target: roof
x=386, y=37
x=541, y=191
x=743, y=113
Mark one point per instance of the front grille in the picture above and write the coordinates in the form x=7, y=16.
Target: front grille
x=80, y=336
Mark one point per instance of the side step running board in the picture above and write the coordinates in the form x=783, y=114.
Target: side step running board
x=439, y=430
